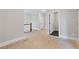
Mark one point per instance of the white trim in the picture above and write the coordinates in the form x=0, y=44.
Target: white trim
x=12, y=41
x=66, y=37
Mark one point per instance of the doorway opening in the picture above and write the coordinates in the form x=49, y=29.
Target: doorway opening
x=53, y=24
x=34, y=20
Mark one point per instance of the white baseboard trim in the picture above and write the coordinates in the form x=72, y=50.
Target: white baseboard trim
x=66, y=37
x=12, y=41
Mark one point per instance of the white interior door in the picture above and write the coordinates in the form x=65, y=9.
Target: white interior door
x=51, y=20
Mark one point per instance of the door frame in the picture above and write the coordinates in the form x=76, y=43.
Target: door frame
x=58, y=12
x=78, y=24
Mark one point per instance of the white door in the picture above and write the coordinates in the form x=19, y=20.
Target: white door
x=51, y=20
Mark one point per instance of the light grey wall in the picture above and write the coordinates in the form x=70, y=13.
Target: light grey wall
x=11, y=24
x=27, y=18
x=68, y=23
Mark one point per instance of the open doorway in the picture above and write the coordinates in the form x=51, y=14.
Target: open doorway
x=53, y=24
x=34, y=20
x=27, y=23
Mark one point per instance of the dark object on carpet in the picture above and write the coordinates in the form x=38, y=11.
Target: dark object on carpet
x=55, y=33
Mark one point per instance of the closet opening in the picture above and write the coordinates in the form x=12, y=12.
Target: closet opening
x=53, y=24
